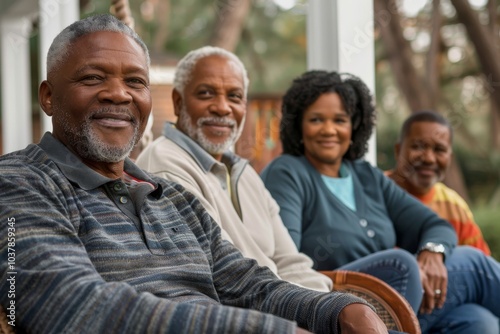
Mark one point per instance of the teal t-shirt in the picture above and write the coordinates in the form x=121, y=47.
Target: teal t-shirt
x=342, y=187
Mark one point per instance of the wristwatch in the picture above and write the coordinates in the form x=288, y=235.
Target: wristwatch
x=433, y=247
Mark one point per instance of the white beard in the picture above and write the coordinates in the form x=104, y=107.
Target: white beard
x=196, y=132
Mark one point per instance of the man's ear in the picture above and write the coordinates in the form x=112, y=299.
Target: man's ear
x=177, y=101
x=45, y=97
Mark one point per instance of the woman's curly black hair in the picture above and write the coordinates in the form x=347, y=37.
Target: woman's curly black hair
x=307, y=88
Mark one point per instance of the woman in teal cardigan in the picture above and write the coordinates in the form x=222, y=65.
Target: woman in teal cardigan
x=344, y=213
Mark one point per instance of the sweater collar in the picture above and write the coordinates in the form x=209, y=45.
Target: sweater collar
x=202, y=157
x=77, y=172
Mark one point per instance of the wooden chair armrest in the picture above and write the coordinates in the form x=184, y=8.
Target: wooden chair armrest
x=391, y=307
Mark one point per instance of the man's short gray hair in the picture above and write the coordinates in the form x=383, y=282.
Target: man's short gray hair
x=186, y=65
x=60, y=47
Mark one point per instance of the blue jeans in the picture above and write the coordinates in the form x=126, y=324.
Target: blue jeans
x=472, y=303
x=465, y=319
x=396, y=267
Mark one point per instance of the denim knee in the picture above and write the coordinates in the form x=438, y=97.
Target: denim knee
x=404, y=258
x=474, y=278
x=396, y=267
x=465, y=319
x=466, y=256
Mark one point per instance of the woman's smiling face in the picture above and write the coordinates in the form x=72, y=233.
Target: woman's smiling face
x=326, y=133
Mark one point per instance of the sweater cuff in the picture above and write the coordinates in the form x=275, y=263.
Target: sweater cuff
x=357, y=300
x=331, y=309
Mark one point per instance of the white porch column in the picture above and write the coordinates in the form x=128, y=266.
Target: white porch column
x=55, y=15
x=340, y=38
x=15, y=68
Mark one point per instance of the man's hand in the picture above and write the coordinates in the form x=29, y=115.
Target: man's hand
x=434, y=278
x=360, y=318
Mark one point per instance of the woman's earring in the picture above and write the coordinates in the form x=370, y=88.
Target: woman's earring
x=350, y=143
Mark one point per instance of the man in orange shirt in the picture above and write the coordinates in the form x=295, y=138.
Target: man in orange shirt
x=423, y=154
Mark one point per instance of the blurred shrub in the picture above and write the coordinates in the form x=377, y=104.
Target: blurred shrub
x=488, y=219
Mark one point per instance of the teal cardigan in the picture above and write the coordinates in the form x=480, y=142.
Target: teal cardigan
x=334, y=235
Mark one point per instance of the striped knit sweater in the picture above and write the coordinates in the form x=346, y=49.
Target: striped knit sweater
x=83, y=264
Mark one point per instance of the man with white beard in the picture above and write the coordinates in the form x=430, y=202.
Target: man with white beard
x=210, y=100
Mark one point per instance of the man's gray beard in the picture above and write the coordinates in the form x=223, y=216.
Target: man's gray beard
x=196, y=133
x=88, y=145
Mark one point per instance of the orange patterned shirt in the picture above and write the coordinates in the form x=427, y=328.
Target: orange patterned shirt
x=450, y=206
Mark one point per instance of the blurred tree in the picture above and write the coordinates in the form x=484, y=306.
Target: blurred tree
x=268, y=38
x=230, y=19
x=420, y=89
x=400, y=55
x=486, y=41
x=161, y=10
x=121, y=9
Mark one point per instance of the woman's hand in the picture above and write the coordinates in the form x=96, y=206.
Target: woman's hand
x=434, y=278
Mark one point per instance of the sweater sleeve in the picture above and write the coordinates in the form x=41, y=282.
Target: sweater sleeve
x=292, y=265
x=415, y=223
x=58, y=290
x=285, y=186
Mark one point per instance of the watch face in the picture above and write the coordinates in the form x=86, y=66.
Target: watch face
x=434, y=247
